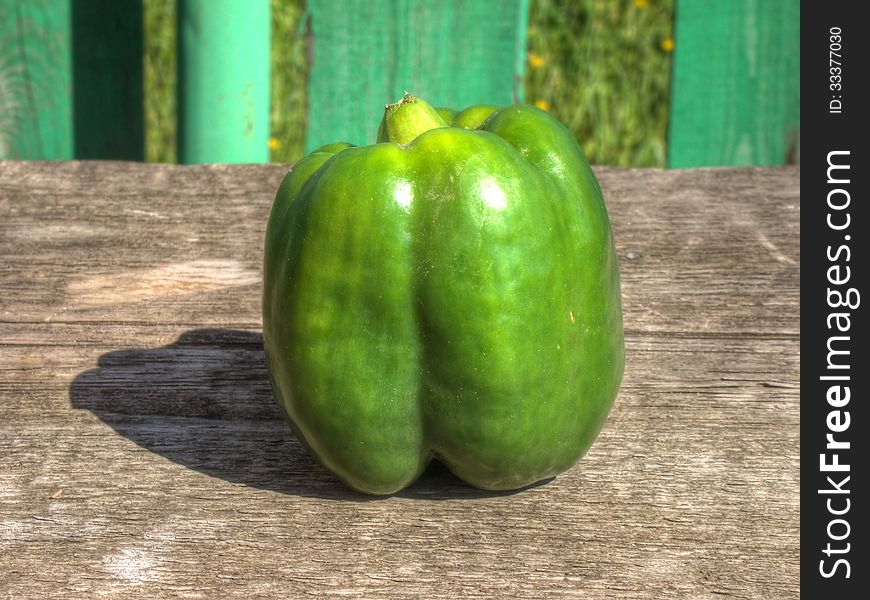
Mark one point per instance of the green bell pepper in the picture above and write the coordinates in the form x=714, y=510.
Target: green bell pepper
x=450, y=292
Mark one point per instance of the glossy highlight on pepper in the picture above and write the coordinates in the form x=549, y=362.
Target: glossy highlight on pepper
x=450, y=292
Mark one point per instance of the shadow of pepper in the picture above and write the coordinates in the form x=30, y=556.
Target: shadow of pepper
x=205, y=402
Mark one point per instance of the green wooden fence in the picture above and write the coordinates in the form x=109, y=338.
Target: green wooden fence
x=36, y=101
x=452, y=52
x=736, y=81
x=223, y=75
x=71, y=80
x=71, y=74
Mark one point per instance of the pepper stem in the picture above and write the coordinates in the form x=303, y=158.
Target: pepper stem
x=406, y=119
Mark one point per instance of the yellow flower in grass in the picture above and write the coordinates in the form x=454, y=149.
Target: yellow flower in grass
x=535, y=60
x=274, y=144
x=542, y=104
x=668, y=45
x=641, y=3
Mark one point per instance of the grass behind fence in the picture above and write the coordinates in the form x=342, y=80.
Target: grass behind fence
x=602, y=67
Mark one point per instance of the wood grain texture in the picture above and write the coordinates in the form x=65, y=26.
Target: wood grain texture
x=141, y=454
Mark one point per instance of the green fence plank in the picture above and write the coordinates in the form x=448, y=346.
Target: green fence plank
x=366, y=53
x=107, y=79
x=223, y=81
x=736, y=83
x=36, y=99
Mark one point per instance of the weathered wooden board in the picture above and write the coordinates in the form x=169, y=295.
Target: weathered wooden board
x=141, y=454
